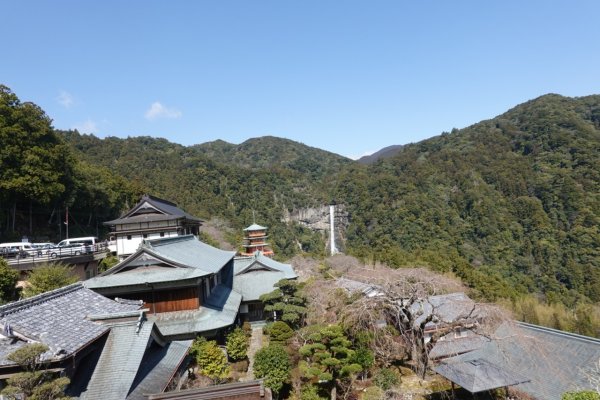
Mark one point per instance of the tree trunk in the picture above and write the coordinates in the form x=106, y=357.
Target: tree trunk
x=14, y=215
x=30, y=218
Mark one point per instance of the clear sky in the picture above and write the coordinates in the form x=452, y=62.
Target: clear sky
x=346, y=76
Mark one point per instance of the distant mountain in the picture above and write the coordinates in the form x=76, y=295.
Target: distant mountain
x=386, y=152
x=511, y=204
x=274, y=152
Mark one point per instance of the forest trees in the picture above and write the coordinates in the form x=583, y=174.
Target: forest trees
x=48, y=277
x=285, y=303
x=37, y=165
x=328, y=358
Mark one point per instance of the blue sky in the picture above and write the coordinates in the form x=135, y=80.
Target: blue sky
x=346, y=76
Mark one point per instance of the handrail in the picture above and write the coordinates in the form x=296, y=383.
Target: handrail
x=55, y=254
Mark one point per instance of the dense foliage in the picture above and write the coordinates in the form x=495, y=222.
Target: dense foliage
x=272, y=363
x=8, y=282
x=211, y=360
x=285, y=303
x=511, y=205
x=237, y=344
x=208, y=187
x=40, y=178
x=48, y=277
x=34, y=383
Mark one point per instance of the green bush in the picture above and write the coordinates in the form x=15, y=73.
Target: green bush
x=385, y=379
x=237, y=345
x=273, y=364
x=279, y=332
x=211, y=360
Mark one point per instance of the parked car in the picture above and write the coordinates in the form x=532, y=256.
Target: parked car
x=16, y=249
x=73, y=247
x=42, y=248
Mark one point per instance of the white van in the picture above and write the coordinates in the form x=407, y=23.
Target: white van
x=16, y=249
x=74, y=246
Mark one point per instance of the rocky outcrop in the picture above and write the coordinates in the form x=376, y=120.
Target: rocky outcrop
x=317, y=219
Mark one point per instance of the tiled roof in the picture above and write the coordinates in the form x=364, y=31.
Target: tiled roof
x=447, y=308
x=168, y=208
x=190, y=257
x=552, y=360
x=59, y=318
x=142, y=275
x=478, y=375
x=257, y=275
x=451, y=346
x=157, y=368
x=119, y=362
x=188, y=251
x=256, y=283
x=255, y=227
x=134, y=362
x=219, y=311
x=259, y=261
x=354, y=286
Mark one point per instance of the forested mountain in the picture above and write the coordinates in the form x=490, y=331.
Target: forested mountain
x=206, y=186
x=511, y=204
x=386, y=152
x=273, y=152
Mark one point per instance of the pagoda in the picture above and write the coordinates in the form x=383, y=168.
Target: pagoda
x=255, y=239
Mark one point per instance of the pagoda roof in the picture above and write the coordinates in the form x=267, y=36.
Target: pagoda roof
x=255, y=227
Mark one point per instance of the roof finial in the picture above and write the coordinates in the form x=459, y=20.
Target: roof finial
x=253, y=217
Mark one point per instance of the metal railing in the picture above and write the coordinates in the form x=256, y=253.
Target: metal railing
x=54, y=254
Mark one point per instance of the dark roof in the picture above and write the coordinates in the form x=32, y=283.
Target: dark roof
x=552, y=360
x=245, y=390
x=158, y=367
x=478, y=375
x=447, y=308
x=135, y=361
x=151, y=208
x=59, y=318
x=451, y=346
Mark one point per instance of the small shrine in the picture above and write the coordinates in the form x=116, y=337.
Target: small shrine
x=255, y=239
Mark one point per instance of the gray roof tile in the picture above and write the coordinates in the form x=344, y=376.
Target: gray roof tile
x=553, y=360
x=59, y=318
x=119, y=362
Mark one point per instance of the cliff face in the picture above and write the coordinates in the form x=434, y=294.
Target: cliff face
x=317, y=220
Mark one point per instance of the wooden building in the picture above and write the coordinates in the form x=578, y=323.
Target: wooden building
x=185, y=284
x=151, y=218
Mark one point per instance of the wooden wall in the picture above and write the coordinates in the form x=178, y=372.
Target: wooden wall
x=171, y=300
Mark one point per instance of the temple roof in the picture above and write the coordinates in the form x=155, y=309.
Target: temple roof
x=151, y=208
x=255, y=227
x=256, y=275
x=164, y=260
x=58, y=319
x=134, y=361
x=551, y=360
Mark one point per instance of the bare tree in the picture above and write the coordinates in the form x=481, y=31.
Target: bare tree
x=404, y=303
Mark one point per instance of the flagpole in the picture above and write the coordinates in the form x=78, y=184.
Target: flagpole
x=67, y=221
